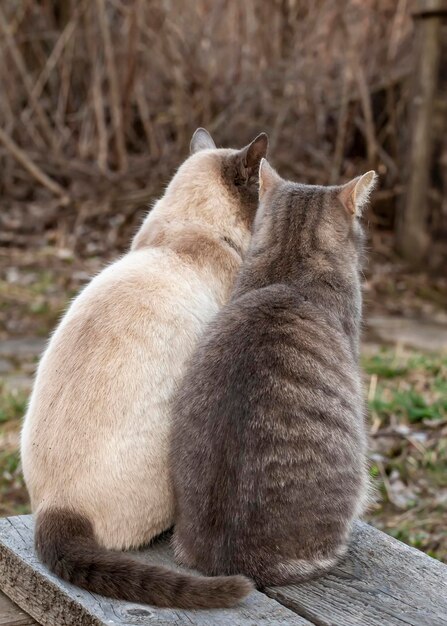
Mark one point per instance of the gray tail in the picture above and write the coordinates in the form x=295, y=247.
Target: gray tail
x=66, y=544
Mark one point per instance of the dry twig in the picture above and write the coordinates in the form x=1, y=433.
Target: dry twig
x=35, y=171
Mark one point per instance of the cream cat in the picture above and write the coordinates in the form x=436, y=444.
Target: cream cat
x=95, y=437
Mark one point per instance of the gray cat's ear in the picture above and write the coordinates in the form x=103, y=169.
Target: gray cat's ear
x=355, y=194
x=201, y=140
x=268, y=177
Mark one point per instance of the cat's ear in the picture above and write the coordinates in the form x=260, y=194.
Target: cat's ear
x=201, y=140
x=251, y=155
x=268, y=177
x=355, y=194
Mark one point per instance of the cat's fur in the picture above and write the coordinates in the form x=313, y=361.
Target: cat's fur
x=96, y=434
x=269, y=442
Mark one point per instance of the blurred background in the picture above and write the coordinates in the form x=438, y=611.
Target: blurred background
x=98, y=102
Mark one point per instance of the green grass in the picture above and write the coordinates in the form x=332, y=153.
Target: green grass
x=13, y=496
x=390, y=363
x=385, y=364
x=409, y=388
x=407, y=403
x=12, y=403
x=36, y=301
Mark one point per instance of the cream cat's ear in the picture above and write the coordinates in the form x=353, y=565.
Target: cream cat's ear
x=201, y=140
x=355, y=194
x=252, y=154
x=268, y=177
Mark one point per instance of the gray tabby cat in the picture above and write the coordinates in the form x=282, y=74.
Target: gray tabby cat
x=269, y=442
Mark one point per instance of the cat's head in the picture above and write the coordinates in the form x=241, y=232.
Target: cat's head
x=218, y=186
x=308, y=221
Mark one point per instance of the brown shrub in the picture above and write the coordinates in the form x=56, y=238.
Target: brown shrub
x=102, y=97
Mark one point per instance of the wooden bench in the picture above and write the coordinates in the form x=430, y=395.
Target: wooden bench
x=381, y=583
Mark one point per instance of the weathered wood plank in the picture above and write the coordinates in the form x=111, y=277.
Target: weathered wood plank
x=56, y=603
x=382, y=582
x=11, y=615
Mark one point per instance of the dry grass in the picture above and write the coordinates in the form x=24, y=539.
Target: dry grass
x=99, y=98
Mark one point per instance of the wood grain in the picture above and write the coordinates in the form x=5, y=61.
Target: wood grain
x=383, y=582
x=11, y=615
x=52, y=602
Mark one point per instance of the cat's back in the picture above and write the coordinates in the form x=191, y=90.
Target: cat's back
x=271, y=371
x=149, y=278
x=272, y=395
x=129, y=322
x=112, y=362
x=127, y=306
x=270, y=333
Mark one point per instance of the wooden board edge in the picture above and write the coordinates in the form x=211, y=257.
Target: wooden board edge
x=18, y=581
x=12, y=615
x=336, y=585
x=42, y=597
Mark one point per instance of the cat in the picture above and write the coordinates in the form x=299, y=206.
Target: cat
x=95, y=437
x=268, y=451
